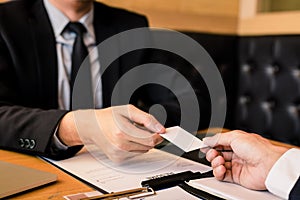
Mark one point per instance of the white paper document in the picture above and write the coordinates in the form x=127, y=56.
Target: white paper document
x=183, y=139
x=112, y=177
x=231, y=191
x=102, y=173
x=109, y=176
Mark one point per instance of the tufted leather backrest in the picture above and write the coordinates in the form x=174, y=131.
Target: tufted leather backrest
x=268, y=95
x=261, y=75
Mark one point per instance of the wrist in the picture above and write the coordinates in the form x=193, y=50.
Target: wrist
x=67, y=132
x=275, y=154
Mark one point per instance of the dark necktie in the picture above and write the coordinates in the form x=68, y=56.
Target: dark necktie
x=81, y=95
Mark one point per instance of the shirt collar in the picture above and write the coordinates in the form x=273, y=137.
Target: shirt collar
x=59, y=20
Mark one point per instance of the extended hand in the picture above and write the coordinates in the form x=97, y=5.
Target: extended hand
x=250, y=161
x=114, y=131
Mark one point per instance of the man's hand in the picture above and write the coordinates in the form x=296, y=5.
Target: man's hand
x=116, y=130
x=250, y=161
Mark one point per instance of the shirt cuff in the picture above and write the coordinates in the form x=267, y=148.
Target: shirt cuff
x=284, y=174
x=57, y=143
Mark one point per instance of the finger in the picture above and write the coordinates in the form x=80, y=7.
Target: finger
x=140, y=152
x=145, y=119
x=205, y=149
x=227, y=156
x=223, y=139
x=219, y=160
x=211, y=141
x=228, y=176
x=211, y=154
x=140, y=136
x=219, y=172
x=228, y=165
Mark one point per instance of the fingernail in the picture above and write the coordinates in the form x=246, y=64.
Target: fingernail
x=158, y=128
x=204, y=140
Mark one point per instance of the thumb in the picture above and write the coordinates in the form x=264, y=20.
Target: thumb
x=212, y=141
x=221, y=139
x=145, y=119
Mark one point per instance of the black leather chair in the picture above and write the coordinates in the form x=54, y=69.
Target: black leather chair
x=262, y=80
x=268, y=95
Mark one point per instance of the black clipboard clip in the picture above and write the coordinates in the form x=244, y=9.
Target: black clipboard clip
x=180, y=180
x=158, y=183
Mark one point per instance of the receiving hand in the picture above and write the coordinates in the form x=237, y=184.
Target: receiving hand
x=250, y=161
x=114, y=130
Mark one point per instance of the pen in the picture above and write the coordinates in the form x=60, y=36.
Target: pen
x=224, y=150
x=216, y=148
x=124, y=193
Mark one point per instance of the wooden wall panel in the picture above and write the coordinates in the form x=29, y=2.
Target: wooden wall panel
x=252, y=22
x=238, y=17
x=234, y=17
x=186, y=15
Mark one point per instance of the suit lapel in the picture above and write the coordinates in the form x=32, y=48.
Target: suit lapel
x=45, y=49
x=103, y=30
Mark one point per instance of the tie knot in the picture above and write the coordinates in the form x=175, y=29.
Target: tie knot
x=76, y=27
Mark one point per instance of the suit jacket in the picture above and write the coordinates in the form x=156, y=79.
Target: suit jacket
x=29, y=111
x=295, y=192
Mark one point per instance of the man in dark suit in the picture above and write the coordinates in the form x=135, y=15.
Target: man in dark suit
x=255, y=163
x=34, y=115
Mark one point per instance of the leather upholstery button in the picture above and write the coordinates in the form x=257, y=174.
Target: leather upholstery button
x=21, y=142
x=268, y=105
x=244, y=99
x=246, y=68
x=272, y=70
x=296, y=73
x=294, y=109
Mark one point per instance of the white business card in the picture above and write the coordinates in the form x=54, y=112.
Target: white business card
x=183, y=139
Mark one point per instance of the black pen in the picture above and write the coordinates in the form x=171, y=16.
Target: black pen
x=224, y=150
x=216, y=148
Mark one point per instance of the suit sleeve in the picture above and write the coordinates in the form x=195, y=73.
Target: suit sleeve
x=25, y=125
x=295, y=192
x=283, y=179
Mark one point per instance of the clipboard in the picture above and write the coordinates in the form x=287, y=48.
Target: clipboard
x=109, y=178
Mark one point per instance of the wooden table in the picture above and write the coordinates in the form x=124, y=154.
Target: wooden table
x=64, y=185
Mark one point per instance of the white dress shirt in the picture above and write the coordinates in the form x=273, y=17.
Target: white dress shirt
x=284, y=174
x=64, y=47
